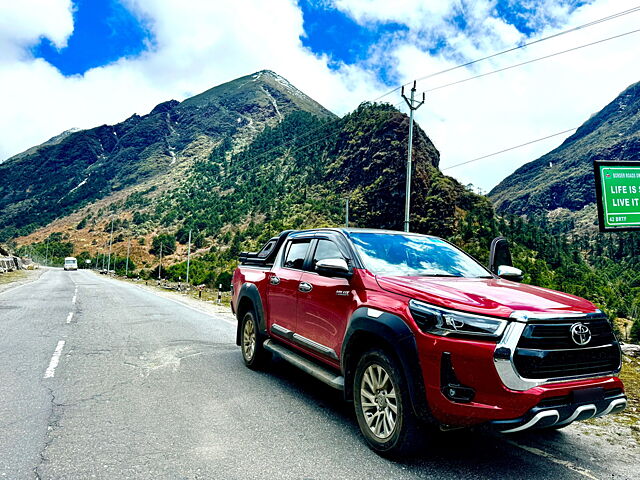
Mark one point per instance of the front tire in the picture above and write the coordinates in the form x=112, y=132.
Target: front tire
x=383, y=407
x=251, y=342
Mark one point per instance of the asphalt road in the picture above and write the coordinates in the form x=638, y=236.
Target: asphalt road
x=146, y=387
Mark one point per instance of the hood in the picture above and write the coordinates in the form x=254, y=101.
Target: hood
x=487, y=296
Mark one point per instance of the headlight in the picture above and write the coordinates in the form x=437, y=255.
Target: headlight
x=432, y=319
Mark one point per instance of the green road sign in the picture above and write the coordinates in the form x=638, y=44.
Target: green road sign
x=618, y=193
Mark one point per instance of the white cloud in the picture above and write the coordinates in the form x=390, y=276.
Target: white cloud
x=197, y=44
x=200, y=43
x=23, y=23
x=417, y=14
x=493, y=113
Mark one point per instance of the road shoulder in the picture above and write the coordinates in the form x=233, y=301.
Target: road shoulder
x=218, y=311
x=18, y=278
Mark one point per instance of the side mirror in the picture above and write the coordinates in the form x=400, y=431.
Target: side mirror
x=499, y=254
x=333, y=267
x=510, y=273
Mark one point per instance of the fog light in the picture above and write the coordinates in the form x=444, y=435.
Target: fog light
x=450, y=386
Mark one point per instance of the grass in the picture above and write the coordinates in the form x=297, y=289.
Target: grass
x=627, y=421
x=11, y=277
x=630, y=375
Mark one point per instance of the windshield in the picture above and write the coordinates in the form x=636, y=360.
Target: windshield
x=414, y=256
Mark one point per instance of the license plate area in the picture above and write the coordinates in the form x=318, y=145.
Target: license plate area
x=588, y=395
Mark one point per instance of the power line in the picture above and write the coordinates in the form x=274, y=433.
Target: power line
x=555, y=54
x=324, y=125
x=549, y=37
x=509, y=149
x=517, y=47
x=283, y=145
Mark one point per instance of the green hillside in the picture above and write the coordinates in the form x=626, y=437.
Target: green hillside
x=563, y=178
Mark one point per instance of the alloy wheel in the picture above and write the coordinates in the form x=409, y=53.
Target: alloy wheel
x=378, y=401
x=248, y=338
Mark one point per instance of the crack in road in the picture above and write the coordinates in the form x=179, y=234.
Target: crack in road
x=56, y=412
x=52, y=424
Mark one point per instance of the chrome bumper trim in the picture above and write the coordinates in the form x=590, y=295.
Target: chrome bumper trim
x=539, y=416
x=520, y=424
x=578, y=412
x=503, y=361
x=618, y=405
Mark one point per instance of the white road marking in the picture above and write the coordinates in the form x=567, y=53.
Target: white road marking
x=541, y=453
x=69, y=317
x=73, y=300
x=55, y=358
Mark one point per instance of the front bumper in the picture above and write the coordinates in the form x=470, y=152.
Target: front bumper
x=559, y=411
x=493, y=402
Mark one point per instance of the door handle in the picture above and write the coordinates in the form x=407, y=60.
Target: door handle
x=274, y=280
x=305, y=287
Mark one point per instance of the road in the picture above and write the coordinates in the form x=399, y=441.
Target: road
x=103, y=379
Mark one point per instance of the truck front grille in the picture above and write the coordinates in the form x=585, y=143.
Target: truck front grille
x=547, y=349
x=556, y=334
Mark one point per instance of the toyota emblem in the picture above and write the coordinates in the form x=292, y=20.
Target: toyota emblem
x=580, y=334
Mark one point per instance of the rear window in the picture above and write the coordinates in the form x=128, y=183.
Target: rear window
x=267, y=249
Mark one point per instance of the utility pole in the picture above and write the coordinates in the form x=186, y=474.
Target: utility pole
x=188, y=256
x=412, y=107
x=126, y=268
x=346, y=213
x=160, y=268
x=46, y=257
x=110, y=243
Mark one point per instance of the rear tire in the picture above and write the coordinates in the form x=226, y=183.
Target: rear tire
x=383, y=406
x=251, y=342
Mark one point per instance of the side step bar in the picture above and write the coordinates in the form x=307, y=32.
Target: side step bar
x=317, y=371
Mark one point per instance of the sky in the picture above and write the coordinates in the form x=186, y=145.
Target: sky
x=81, y=63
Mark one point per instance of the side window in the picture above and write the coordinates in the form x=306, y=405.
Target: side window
x=295, y=254
x=325, y=249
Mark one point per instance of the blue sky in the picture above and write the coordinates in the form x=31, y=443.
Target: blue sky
x=81, y=63
x=106, y=30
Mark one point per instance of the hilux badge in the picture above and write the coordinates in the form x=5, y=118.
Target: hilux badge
x=580, y=334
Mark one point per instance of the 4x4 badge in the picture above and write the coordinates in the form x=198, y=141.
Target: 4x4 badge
x=580, y=334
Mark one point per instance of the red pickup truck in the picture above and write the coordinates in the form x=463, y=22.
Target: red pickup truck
x=416, y=332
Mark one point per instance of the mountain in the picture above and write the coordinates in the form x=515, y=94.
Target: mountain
x=563, y=178
x=286, y=163
x=78, y=167
x=296, y=173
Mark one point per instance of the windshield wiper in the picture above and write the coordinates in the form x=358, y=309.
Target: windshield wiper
x=441, y=275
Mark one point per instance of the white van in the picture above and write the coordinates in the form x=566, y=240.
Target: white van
x=70, y=263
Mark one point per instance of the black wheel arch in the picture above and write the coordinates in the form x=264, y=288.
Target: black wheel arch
x=391, y=333
x=249, y=297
